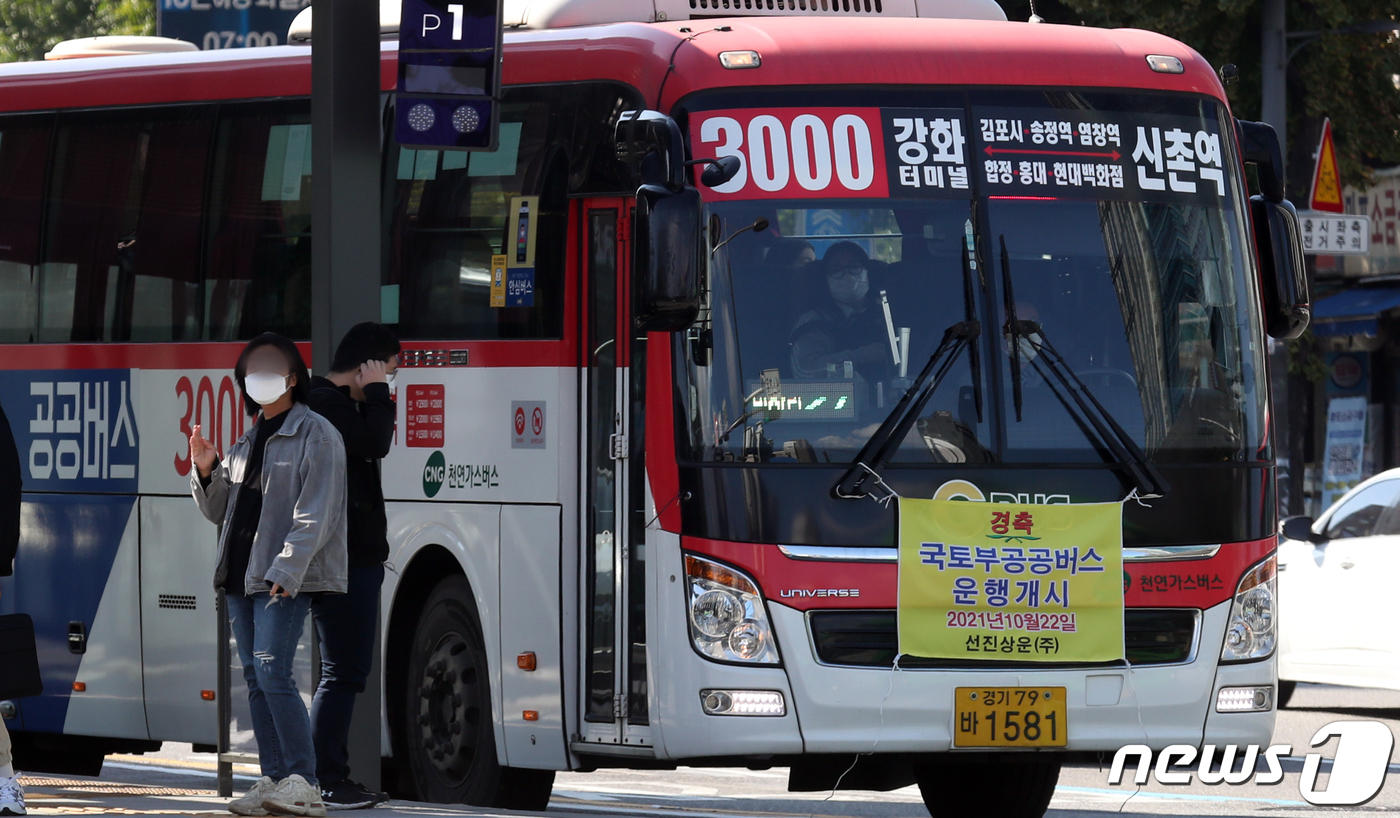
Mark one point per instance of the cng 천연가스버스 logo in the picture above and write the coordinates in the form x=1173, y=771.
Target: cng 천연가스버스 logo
x=434, y=473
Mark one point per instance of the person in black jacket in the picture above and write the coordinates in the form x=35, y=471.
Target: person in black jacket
x=355, y=398
x=11, y=482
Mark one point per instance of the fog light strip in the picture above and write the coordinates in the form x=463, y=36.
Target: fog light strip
x=1244, y=699
x=742, y=703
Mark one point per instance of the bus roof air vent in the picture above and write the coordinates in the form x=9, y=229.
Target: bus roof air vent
x=774, y=7
x=545, y=14
x=116, y=47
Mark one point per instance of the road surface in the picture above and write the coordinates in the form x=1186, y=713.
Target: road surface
x=178, y=782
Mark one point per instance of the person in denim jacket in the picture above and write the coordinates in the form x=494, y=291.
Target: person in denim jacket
x=279, y=493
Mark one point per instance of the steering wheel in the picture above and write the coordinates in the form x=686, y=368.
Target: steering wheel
x=1108, y=375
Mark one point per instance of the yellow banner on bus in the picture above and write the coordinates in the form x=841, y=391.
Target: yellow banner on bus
x=1003, y=581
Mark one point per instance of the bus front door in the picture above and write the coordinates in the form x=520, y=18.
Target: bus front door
x=614, y=689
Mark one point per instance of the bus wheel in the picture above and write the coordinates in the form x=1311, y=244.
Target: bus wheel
x=1285, y=692
x=961, y=786
x=450, y=738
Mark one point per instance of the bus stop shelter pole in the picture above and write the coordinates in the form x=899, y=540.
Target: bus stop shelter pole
x=345, y=143
x=221, y=694
x=345, y=234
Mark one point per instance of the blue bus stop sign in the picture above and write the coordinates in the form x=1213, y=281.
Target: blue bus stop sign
x=212, y=24
x=449, y=74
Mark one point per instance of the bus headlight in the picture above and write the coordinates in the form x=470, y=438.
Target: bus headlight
x=1251, y=632
x=727, y=618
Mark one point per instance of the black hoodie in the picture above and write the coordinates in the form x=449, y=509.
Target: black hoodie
x=368, y=431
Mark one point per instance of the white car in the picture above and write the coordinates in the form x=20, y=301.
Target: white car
x=1337, y=589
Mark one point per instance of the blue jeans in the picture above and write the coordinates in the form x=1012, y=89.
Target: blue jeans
x=345, y=625
x=267, y=630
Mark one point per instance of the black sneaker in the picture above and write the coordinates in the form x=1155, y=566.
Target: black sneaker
x=349, y=795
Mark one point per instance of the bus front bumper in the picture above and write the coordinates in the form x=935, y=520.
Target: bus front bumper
x=843, y=709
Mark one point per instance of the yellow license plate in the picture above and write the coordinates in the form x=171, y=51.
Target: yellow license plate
x=1009, y=717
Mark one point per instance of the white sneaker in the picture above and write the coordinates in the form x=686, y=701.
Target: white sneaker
x=251, y=802
x=12, y=797
x=295, y=796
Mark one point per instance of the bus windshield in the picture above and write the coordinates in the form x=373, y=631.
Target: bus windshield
x=814, y=327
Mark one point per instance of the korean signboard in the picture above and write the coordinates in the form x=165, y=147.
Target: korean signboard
x=423, y=415
x=1379, y=201
x=449, y=74
x=212, y=24
x=1035, y=583
x=1344, y=451
x=949, y=153
x=1334, y=234
x=1382, y=204
x=513, y=273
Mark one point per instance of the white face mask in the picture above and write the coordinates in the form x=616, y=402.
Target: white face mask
x=265, y=387
x=389, y=379
x=849, y=289
x=1028, y=346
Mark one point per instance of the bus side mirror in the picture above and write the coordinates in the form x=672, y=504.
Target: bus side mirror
x=651, y=144
x=718, y=171
x=666, y=258
x=1283, y=279
x=1259, y=144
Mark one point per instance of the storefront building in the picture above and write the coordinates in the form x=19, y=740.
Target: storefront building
x=1353, y=430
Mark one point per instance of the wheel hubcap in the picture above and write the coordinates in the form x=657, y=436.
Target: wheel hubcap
x=447, y=711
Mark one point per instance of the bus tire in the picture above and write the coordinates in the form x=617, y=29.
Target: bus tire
x=449, y=731
x=1285, y=692
x=962, y=786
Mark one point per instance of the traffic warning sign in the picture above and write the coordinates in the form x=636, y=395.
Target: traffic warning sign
x=1327, y=180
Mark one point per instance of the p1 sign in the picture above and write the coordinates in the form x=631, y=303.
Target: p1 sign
x=449, y=74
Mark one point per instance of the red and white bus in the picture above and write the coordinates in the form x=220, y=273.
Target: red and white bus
x=608, y=548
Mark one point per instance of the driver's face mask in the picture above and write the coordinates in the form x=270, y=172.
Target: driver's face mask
x=848, y=285
x=1028, y=346
x=1028, y=349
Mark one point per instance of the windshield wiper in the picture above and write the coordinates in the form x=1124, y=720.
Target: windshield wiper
x=876, y=451
x=974, y=357
x=1125, y=451
x=1148, y=480
x=1014, y=327
x=963, y=335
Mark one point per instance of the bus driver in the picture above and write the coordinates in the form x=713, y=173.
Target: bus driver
x=842, y=324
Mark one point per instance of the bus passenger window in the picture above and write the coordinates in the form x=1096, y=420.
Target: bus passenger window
x=123, y=227
x=451, y=212
x=24, y=150
x=448, y=212
x=258, y=267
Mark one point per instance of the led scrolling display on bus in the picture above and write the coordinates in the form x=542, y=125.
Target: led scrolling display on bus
x=940, y=153
x=806, y=400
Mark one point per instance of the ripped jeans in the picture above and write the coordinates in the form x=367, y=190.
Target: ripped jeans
x=267, y=636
